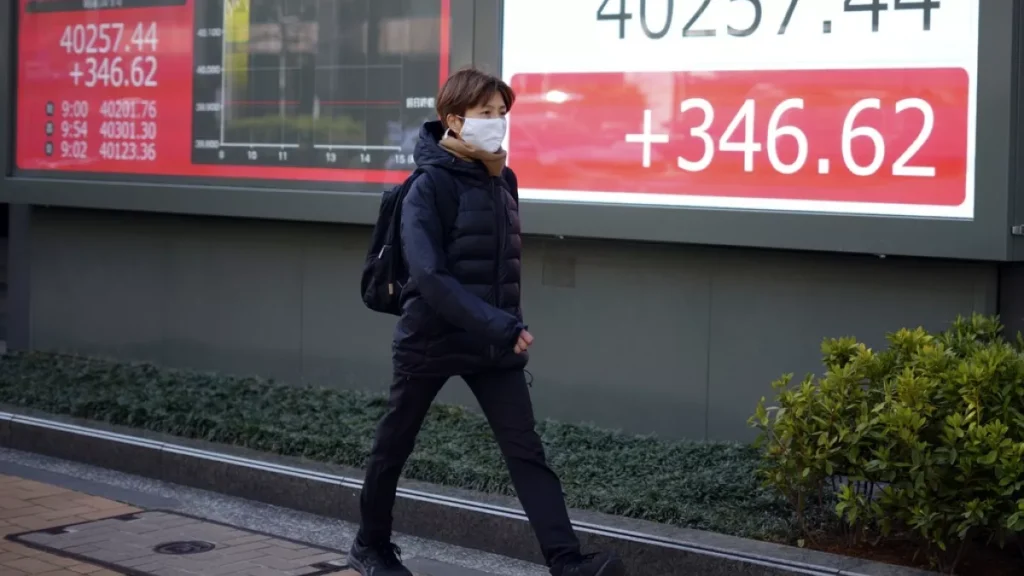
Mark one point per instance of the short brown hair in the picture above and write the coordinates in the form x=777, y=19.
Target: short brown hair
x=469, y=88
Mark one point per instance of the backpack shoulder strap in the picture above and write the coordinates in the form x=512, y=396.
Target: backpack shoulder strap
x=396, y=215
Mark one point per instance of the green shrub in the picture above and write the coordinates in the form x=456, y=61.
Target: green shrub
x=691, y=484
x=925, y=438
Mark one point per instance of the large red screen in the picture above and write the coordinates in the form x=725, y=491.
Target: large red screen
x=912, y=126
x=327, y=90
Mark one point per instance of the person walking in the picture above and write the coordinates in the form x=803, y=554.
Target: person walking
x=461, y=316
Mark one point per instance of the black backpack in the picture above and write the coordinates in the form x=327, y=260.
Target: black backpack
x=384, y=270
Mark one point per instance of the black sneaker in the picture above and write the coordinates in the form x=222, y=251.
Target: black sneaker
x=599, y=564
x=381, y=560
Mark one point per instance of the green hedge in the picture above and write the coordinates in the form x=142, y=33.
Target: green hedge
x=696, y=485
x=931, y=428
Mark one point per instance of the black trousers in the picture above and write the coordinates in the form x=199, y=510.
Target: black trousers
x=505, y=401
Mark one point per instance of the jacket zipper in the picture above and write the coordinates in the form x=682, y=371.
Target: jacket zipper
x=499, y=220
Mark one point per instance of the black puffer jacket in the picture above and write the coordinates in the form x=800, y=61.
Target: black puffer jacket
x=460, y=236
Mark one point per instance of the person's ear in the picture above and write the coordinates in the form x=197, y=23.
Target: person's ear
x=454, y=123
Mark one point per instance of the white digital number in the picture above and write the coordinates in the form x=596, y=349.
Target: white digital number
x=900, y=168
x=775, y=131
x=143, y=71
x=748, y=146
x=111, y=72
x=92, y=38
x=850, y=133
x=145, y=35
x=701, y=132
x=739, y=136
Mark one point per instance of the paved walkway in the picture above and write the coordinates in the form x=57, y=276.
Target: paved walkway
x=49, y=527
x=26, y=505
x=62, y=517
x=53, y=531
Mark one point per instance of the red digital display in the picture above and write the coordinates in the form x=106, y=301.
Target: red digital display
x=889, y=136
x=324, y=90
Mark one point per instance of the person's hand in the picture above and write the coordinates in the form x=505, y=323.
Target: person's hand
x=525, y=339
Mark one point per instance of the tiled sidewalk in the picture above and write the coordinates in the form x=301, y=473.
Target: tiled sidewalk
x=91, y=529
x=55, y=531
x=26, y=505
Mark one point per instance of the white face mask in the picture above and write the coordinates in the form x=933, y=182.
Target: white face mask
x=484, y=133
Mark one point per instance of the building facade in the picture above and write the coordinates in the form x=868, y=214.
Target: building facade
x=201, y=195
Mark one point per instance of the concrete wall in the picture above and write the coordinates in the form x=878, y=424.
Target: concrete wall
x=676, y=340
